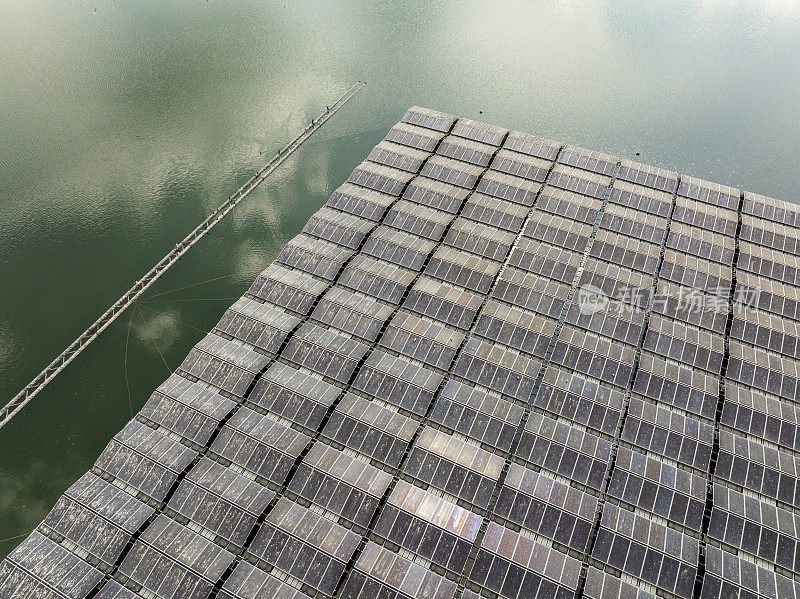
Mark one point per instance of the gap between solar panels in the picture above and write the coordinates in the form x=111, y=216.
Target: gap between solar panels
x=27, y=393
x=712, y=468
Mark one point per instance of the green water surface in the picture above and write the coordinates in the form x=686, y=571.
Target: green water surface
x=123, y=124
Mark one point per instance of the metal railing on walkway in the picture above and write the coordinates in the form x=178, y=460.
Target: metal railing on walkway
x=52, y=370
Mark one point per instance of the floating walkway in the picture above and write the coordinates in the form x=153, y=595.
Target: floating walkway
x=491, y=365
x=21, y=399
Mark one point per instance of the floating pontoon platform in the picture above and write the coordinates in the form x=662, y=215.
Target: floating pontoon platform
x=491, y=365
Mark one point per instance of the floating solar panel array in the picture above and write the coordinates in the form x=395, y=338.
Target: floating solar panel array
x=490, y=366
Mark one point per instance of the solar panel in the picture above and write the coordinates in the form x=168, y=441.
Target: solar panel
x=228, y=365
x=634, y=223
x=730, y=575
x=39, y=567
x=668, y=432
x=98, y=517
x=338, y=227
x=371, y=429
x=190, y=410
x=477, y=238
x=325, y=351
x=290, y=289
x=250, y=582
x=314, y=256
x=360, y=201
x=482, y=132
x=579, y=181
x=144, y=460
x=263, y=326
x=174, y=562
x=398, y=381
x=341, y=484
x=642, y=199
x=423, y=339
x=576, y=454
x=757, y=528
x=398, y=247
x=650, y=176
x=504, y=370
x=570, y=205
x=463, y=269
x=533, y=145
x=114, y=590
x=416, y=398
x=299, y=396
x=544, y=259
x=495, y=212
x=259, y=446
x=459, y=468
x=221, y=501
x=710, y=193
x=466, y=150
x=648, y=551
x=513, y=565
x=380, y=572
x=529, y=290
x=305, y=545
x=602, y=585
x=381, y=178
x=711, y=218
x=567, y=394
x=477, y=414
x=557, y=231
x=441, y=301
x=454, y=172
x=701, y=242
x=542, y=505
x=509, y=188
x=771, y=209
x=418, y=219
x=431, y=119
x=589, y=160
x=414, y=136
x=374, y=277
x=352, y=312
x=428, y=527
x=398, y=156
x=521, y=165
x=435, y=194
x=515, y=327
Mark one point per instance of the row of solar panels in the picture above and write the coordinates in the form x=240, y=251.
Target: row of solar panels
x=430, y=374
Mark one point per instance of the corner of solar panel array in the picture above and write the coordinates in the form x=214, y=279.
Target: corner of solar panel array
x=490, y=365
